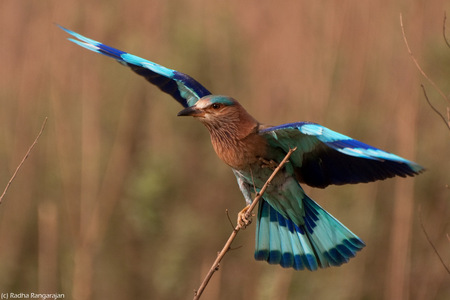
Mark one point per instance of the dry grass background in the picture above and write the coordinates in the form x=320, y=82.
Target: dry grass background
x=123, y=200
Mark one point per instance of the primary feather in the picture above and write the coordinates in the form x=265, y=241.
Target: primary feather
x=325, y=157
x=185, y=89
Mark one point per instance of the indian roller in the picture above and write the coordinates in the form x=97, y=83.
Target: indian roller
x=292, y=230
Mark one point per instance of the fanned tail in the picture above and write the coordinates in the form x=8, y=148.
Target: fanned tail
x=322, y=241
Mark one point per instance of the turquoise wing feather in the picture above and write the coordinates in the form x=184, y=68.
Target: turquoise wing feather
x=185, y=89
x=325, y=157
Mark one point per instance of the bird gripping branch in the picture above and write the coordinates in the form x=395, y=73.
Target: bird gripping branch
x=292, y=230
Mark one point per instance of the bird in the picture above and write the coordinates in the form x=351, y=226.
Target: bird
x=292, y=230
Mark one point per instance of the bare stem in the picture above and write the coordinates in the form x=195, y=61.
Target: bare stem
x=23, y=160
x=447, y=122
x=443, y=30
x=226, y=247
x=431, y=243
x=417, y=64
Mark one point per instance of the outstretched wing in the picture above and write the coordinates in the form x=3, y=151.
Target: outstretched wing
x=325, y=157
x=185, y=89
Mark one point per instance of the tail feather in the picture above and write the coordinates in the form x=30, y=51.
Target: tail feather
x=322, y=241
x=278, y=241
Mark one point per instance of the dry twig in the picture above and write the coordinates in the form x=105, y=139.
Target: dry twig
x=431, y=243
x=443, y=31
x=435, y=110
x=23, y=160
x=447, y=122
x=226, y=247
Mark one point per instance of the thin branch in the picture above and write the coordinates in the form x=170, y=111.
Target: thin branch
x=229, y=219
x=431, y=243
x=226, y=247
x=23, y=160
x=417, y=64
x=443, y=30
x=447, y=122
x=448, y=114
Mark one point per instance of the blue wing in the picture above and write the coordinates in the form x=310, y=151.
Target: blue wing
x=325, y=157
x=185, y=89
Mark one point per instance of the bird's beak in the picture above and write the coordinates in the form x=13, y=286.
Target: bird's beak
x=191, y=111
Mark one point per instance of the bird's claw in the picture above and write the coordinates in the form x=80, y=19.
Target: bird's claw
x=242, y=220
x=268, y=163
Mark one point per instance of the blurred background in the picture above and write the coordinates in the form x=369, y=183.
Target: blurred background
x=120, y=199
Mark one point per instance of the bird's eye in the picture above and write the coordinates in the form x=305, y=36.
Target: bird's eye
x=216, y=105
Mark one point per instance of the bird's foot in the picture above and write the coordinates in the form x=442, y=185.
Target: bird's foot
x=242, y=219
x=268, y=163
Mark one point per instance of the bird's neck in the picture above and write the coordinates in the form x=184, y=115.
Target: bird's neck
x=237, y=142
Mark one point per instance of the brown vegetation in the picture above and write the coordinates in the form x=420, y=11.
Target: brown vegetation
x=121, y=199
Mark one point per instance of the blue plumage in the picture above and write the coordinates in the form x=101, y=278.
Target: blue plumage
x=327, y=157
x=323, y=157
x=281, y=241
x=185, y=89
x=292, y=230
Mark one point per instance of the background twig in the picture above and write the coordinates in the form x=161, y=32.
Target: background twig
x=443, y=30
x=226, y=247
x=23, y=160
x=447, y=122
x=431, y=243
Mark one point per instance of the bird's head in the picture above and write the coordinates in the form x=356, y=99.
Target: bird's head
x=214, y=109
x=221, y=114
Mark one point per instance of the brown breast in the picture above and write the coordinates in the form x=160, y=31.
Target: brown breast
x=239, y=153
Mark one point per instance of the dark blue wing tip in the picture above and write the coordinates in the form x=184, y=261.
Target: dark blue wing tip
x=185, y=89
x=110, y=51
x=340, y=141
